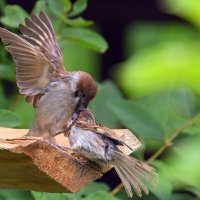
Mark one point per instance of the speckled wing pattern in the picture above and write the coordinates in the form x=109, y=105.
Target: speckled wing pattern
x=87, y=121
x=36, y=54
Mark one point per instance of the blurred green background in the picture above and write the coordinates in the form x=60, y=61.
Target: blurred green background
x=154, y=90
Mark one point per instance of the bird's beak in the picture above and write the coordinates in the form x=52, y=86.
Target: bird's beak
x=83, y=104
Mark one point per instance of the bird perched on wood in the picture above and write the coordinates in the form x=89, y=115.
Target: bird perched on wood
x=55, y=93
x=99, y=144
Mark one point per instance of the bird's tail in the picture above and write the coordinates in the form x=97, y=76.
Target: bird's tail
x=133, y=173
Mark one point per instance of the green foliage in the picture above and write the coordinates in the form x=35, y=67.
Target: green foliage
x=7, y=72
x=187, y=9
x=86, y=38
x=11, y=194
x=158, y=101
x=137, y=118
x=107, y=92
x=78, y=7
x=13, y=15
x=9, y=119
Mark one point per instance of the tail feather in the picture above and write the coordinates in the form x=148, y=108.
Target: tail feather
x=125, y=182
x=142, y=169
x=131, y=179
x=133, y=173
x=135, y=178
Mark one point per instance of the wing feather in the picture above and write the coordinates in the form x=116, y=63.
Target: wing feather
x=32, y=67
x=39, y=31
x=92, y=125
x=36, y=54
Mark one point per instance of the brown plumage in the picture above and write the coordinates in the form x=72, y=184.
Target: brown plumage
x=41, y=76
x=99, y=144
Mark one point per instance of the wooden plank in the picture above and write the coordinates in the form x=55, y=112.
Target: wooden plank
x=34, y=164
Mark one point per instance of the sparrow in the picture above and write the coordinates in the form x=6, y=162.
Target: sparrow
x=99, y=144
x=40, y=75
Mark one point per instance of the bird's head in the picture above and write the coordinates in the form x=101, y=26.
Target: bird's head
x=85, y=91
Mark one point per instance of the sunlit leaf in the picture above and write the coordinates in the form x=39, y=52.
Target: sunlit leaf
x=188, y=9
x=155, y=69
x=78, y=7
x=136, y=35
x=100, y=105
x=9, y=119
x=85, y=37
x=137, y=118
x=13, y=15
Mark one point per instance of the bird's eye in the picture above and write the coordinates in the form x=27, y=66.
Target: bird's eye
x=76, y=94
x=83, y=95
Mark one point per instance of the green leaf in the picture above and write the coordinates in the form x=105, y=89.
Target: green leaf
x=92, y=188
x=163, y=190
x=13, y=15
x=47, y=196
x=100, y=105
x=185, y=155
x=87, y=61
x=78, y=7
x=9, y=119
x=136, y=35
x=137, y=118
x=7, y=72
x=25, y=111
x=11, y=194
x=100, y=196
x=85, y=37
x=78, y=22
x=187, y=9
x=164, y=113
x=184, y=102
x=88, y=190
x=155, y=69
x=40, y=5
x=59, y=8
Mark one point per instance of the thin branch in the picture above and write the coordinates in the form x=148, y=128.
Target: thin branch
x=167, y=143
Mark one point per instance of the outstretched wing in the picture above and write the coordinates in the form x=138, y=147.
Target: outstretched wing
x=39, y=32
x=36, y=54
